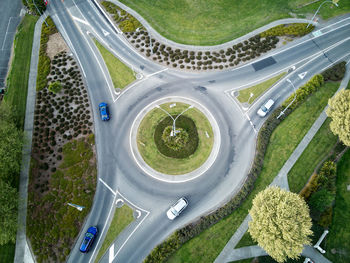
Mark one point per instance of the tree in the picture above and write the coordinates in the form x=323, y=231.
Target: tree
x=339, y=111
x=320, y=200
x=55, y=87
x=281, y=223
x=11, y=142
x=8, y=213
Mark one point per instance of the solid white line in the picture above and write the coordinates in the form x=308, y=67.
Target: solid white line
x=150, y=75
x=130, y=236
x=109, y=188
x=8, y=24
x=80, y=20
x=71, y=46
x=103, y=229
x=132, y=202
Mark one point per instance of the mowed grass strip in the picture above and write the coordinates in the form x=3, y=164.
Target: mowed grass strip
x=339, y=232
x=318, y=149
x=286, y=137
x=213, y=22
x=121, y=75
x=121, y=219
x=17, y=80
x=258, y=89
x=167, y=165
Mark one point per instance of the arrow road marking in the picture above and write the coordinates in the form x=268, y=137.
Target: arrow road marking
x=302, y=75
x=80, y=20
x=105, y=32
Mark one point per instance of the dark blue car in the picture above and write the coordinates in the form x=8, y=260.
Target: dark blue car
x=104, y=111
x=88, y=239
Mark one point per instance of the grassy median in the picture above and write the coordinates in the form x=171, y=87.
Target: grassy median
x=121, y=75
x=17, y=80
x=286, y=137
x=258, y=89
x=121, y=219
x=214, y=22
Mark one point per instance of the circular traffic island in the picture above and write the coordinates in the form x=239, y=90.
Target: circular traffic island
x=174, y=138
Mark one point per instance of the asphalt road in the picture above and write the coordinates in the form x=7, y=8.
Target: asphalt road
x=120, y=177
x=9, y=20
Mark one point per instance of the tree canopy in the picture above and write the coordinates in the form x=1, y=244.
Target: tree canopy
x=11, y=142
x=8, y=213
x=281, y=223
x=339, y=111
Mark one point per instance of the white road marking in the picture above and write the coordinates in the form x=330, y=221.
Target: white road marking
x=71, y=45
x=108, y=187
x=119, y=200
x=105, y=32
x=302, y=75
x=80, y=20
x=111, y=253
x=7, y=29
x=150, y=75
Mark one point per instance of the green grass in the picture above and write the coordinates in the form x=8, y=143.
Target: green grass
x=318, y=149
x=258, y=89
x=7, y=252
x=121, y=219
x=162, y=163
x=245, y=241
x=207, y=246
x=214, y=22
x=17, y=80
x=121, y=75
x=339, y=232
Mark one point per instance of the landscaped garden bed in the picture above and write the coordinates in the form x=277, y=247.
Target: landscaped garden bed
x=63, y=166
x=155, y=148
x=187, y=59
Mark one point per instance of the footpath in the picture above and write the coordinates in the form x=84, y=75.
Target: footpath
x=22, y=252
x=229, y=253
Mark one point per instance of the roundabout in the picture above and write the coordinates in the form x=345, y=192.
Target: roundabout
x=175, y=139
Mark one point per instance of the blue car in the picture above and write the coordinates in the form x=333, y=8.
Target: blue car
x=104, y=111
x=88, y=239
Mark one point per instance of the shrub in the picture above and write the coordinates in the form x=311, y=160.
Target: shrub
x=55, y=87
x=335, y=73
x=296, y=29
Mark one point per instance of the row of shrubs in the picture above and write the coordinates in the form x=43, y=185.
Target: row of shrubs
x=295, y=30
x=161, y=252
x=44, y=60
x=125, y=21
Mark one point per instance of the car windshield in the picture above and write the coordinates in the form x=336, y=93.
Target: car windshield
x=263, y=108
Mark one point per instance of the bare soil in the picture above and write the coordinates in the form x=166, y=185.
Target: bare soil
x=55, y=45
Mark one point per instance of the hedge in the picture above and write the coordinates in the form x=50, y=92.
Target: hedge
x=165, y=249
x=336, y=72
x=44, y=64
x=295, y=30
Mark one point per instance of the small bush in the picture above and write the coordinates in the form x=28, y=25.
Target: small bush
x=335, y=73
x=55, y=87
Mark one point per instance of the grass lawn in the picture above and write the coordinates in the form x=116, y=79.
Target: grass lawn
x=214, y=22
x=207, y=246
x=319, y=147
x=121, y=219
x=246, y=240
x=121, y=75
x=7, y=252
x=162, y=163
x=257, y=90
x=17, y=80
x=339, y=232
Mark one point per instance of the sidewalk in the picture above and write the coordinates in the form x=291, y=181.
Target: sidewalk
x=229, y=254
x=22, y=253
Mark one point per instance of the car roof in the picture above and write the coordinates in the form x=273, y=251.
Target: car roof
x=269, y=103
x=181, y=203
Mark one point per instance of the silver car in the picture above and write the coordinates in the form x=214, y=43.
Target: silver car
x=177, y=208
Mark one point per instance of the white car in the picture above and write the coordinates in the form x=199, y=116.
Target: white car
x=264, y=109
x=177, y=208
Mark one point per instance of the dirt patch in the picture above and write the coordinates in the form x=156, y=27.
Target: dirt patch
x=56, y=45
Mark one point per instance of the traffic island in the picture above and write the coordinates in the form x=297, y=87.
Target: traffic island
x=173, y=139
